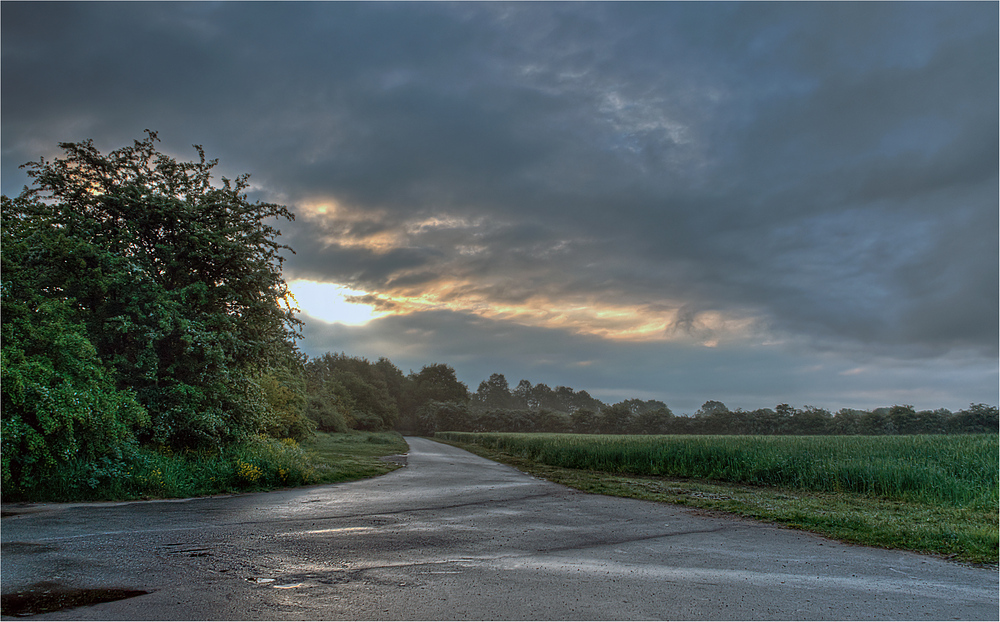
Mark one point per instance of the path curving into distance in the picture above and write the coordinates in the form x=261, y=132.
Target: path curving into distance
x=453, y=536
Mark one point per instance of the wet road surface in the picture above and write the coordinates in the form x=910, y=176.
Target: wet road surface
x=454, y=536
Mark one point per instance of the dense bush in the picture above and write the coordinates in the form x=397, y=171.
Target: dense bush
x=140, y=303
x=284, y=391
x=60, y=405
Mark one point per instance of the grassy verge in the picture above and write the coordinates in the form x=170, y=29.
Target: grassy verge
x=964, y=534
x=345, y=457
x=256, y=465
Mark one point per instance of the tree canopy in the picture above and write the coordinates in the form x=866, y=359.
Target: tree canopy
x=169, y=282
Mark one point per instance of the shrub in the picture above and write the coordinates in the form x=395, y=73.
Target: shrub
x=60, y=407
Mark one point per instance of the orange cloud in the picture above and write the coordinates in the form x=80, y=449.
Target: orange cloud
x=492, y=298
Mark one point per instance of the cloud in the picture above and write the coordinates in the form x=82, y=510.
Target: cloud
x=641, y=177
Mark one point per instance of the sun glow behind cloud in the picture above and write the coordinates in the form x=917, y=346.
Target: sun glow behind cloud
x=334, y=303
x=592, y=318
x=457, y=239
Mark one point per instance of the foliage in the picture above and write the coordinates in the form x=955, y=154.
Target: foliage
x=255, y=463
x=494, y=394
x=346, y=392
x=176, y=281
x=531, y=408
x=438, y=383
x=284, y=390
x=141, y=302
x=59, y=403
x=434, y=416
x=396, y=384
x=351, y=392
x=326, y=407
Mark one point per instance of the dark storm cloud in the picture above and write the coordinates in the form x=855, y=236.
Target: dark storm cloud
x=826, y=170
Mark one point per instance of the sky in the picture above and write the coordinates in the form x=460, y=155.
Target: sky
x=753, y=203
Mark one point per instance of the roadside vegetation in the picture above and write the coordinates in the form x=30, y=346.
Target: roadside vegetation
x=149, y=341
x=931, y=494
x=255, y=465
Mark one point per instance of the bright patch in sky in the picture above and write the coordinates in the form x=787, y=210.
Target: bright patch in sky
x=333, y=303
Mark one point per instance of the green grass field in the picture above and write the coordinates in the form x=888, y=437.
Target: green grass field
x=344, y=457
x=933, y=494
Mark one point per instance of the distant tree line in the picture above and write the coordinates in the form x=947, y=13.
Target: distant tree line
x=538, y=408
x=345, y=392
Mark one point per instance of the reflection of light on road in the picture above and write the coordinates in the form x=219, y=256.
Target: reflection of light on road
x=333, y=530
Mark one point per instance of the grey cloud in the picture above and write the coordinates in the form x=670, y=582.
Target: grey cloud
x=335, y=263
x=410, y=279
x=829, y=169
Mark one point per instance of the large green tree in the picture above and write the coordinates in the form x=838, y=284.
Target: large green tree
x=493, y=394
x=174, y=277
x=438, y=382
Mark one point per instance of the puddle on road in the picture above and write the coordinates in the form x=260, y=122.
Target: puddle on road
x=48, y=597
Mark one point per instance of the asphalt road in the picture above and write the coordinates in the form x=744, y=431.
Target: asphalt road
x=454, y=536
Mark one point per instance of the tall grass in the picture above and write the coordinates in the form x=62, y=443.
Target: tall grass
x=956, y=471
